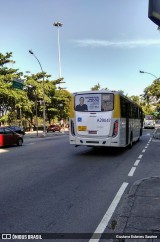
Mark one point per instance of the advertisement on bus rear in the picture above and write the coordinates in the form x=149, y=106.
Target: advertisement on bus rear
x=88, y=102
x=94, y=102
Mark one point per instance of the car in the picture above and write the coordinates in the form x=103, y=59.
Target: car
x=149, y=124
x=53, y=128
x=17, y=129
x=9, y=137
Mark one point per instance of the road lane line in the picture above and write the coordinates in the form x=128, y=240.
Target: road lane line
x=136, y=162
x=140, y=156
x=106, y=218
x=143, y=150
x=132, y=171
x=146, y=147
x=3, y=151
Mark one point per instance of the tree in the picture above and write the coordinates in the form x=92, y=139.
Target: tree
x=135, y=99
x=97, y=87
x=20, y=105
x=63, y=103
x=11, y=100
x=152, y=97
x=53, y=101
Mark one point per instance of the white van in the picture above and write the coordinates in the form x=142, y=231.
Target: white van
x=149, y=122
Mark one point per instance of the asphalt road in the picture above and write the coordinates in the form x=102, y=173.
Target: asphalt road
x=49, y=186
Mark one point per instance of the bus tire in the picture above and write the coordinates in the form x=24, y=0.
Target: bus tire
x=140, y=134
x=131, y=142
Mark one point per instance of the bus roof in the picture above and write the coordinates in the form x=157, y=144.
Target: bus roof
x=97, y=91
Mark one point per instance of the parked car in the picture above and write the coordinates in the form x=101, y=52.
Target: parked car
x=17, y=129
x=9, y=137
x=53, y=128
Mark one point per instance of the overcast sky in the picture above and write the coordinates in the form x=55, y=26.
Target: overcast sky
x=101, y=41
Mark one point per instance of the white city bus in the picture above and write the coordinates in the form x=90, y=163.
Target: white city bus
x=104, y=118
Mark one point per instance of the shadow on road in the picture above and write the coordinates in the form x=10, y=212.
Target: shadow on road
x=105, y=151
x=101, y=151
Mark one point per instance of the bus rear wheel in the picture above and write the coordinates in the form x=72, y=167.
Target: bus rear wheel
x=131, y=142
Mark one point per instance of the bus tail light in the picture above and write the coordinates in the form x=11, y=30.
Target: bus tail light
x=72, y=128
x=115, y=129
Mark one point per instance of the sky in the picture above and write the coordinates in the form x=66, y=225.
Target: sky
x=101, y=41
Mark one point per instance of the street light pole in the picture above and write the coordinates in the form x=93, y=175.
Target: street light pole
x=149, y=73
x=44, y=103
x=58, y=24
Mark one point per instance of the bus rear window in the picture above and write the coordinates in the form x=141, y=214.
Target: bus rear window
x=107, y=102
x=94, y=102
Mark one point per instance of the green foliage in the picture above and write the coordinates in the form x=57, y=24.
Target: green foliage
x=17, y=106
x=152, y=98
x=135, y=99
x=98, y=87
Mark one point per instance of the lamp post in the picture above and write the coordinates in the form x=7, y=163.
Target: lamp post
x=148, y=73
x=44, y=103
x=58, y=25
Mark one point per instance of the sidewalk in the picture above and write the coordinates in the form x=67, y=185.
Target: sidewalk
x=33, y=134
x=157, y=134
x=139, y=213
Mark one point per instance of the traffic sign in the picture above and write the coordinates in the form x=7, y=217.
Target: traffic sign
x=154, y=11
x=18, y=84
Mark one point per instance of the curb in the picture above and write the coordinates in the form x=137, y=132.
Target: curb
x=41, y=135
x=124, y=212
x=156, y=134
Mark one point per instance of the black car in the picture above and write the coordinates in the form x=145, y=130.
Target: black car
x=17, y=129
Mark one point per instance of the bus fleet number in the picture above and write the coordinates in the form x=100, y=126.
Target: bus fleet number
x=103, y=120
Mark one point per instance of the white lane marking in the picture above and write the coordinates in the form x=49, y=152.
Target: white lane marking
x=104, y=222
x=140, y=156
x=3, y=151
x=136, y=163
x=132, y=171
x=143, y=150
x=146, y=146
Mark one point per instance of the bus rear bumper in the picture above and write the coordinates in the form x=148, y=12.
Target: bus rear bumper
x=103, y=142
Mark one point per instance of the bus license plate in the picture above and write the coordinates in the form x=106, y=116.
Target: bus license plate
x=82, y=128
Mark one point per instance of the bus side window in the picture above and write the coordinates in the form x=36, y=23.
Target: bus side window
x=123, y=107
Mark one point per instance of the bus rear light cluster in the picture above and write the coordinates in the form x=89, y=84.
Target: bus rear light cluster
x=115, y=129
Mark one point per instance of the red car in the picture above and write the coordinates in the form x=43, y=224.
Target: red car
x=53, y=128
x=9, y=137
